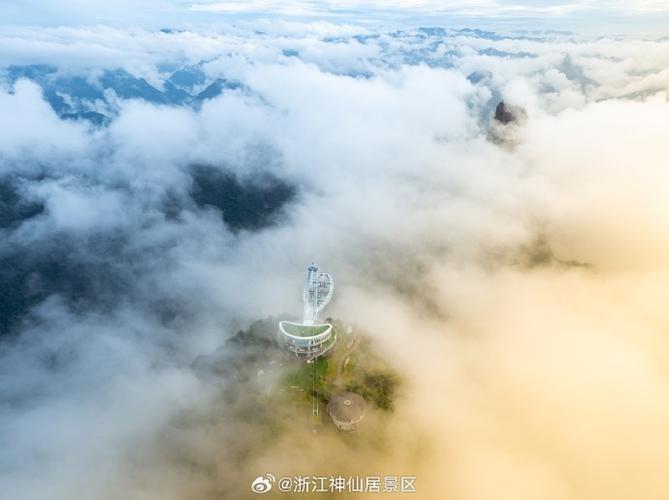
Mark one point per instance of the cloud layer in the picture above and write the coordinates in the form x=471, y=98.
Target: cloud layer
x=597, y=17
x=517, y=288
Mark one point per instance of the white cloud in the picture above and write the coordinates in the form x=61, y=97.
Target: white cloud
x=611, y=15
x=520, y=293
x=29, y=128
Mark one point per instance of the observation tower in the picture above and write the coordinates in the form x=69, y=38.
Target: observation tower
x=310, y=339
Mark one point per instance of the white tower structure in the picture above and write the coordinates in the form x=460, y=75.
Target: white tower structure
x=310, y=338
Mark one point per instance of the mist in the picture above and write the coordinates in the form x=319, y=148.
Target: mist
x=516, y=285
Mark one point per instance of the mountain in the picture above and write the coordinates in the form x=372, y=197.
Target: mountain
x=83, y=97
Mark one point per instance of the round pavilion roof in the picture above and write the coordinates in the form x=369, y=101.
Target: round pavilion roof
x=347, y=407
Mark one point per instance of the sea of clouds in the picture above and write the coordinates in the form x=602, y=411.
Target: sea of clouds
x=517, y=285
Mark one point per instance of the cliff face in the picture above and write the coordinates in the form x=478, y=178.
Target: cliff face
x=507, y=125
x=503, y=114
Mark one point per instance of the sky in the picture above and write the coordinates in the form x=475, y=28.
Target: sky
x=594, y=17
x=514, y=275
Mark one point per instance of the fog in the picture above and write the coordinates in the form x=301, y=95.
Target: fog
x=516, y=287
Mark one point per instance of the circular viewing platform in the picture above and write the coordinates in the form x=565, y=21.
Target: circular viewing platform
x=306, y=340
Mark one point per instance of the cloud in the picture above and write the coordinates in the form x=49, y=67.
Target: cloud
x=413, y=7
x=611, y=16
x=30, y=128
x=518, y=292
